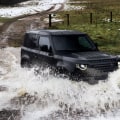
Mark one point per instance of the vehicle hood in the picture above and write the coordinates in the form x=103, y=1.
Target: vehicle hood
x=92, y=55
x=88, y=55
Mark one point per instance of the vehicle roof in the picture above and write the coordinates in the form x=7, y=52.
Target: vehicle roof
x=56, y=32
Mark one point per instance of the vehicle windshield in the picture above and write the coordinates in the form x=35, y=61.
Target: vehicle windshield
x=74, y=43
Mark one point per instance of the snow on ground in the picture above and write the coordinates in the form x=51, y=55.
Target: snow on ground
x=29, y=7
x=73, y=7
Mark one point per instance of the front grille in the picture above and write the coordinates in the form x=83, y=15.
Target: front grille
x=104, y=65
x=102, y=61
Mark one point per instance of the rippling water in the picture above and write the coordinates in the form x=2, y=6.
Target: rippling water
x=45, y=97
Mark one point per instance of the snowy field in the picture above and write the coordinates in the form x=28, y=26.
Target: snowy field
x=30, y=7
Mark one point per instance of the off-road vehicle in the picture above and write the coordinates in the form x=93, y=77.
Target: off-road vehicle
x=67, y=50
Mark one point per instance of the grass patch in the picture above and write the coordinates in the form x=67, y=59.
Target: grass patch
x=102, y=30
x=3, y=19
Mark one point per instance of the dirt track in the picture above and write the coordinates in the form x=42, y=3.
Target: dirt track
x=12, y=32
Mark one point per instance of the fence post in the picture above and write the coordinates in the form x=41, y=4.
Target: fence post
x=111, y=16
x=68, y=19
x=91, y=18
x=50, y=20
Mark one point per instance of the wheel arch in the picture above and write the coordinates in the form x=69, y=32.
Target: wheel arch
x=24, y=59
x=66, y=65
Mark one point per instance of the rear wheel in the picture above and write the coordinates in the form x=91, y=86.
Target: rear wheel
x=25, y=63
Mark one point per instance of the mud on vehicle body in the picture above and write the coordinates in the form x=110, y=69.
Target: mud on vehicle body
x=67, y=50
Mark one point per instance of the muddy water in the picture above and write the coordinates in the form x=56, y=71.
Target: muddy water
x=45, y=97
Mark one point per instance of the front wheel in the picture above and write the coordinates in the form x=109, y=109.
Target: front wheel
x=92, y=81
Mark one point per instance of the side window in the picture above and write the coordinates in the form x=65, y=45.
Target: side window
x=44, y=43
x=31, y=41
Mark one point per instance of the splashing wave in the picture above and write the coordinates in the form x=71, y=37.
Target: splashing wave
x=46, y=97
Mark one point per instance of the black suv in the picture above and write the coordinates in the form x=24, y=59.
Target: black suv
x=67, y=50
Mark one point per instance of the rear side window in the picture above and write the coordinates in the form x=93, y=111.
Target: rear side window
x=31, y=41
x=44, y=42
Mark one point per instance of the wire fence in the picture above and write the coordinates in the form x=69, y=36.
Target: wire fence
x=87, y=18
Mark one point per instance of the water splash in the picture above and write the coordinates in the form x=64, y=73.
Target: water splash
x=46, y=97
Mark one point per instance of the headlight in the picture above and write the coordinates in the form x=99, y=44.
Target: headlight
x=119, y=64
x=81, y=66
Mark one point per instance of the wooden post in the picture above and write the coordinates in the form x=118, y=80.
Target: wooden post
x=111, y=16
x=68, y=19
x=91, y=18
x=50, y=20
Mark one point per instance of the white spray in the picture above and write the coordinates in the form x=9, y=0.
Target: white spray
x=45, y=97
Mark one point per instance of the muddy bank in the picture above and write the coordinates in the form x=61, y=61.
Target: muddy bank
x=12, y=32
x=13, y=35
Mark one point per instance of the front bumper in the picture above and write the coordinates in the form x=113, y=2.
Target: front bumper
x=90, y=73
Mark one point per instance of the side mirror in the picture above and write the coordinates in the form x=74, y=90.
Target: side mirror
x=44, y=48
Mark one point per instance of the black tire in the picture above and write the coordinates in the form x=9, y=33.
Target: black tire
x=25, y=63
